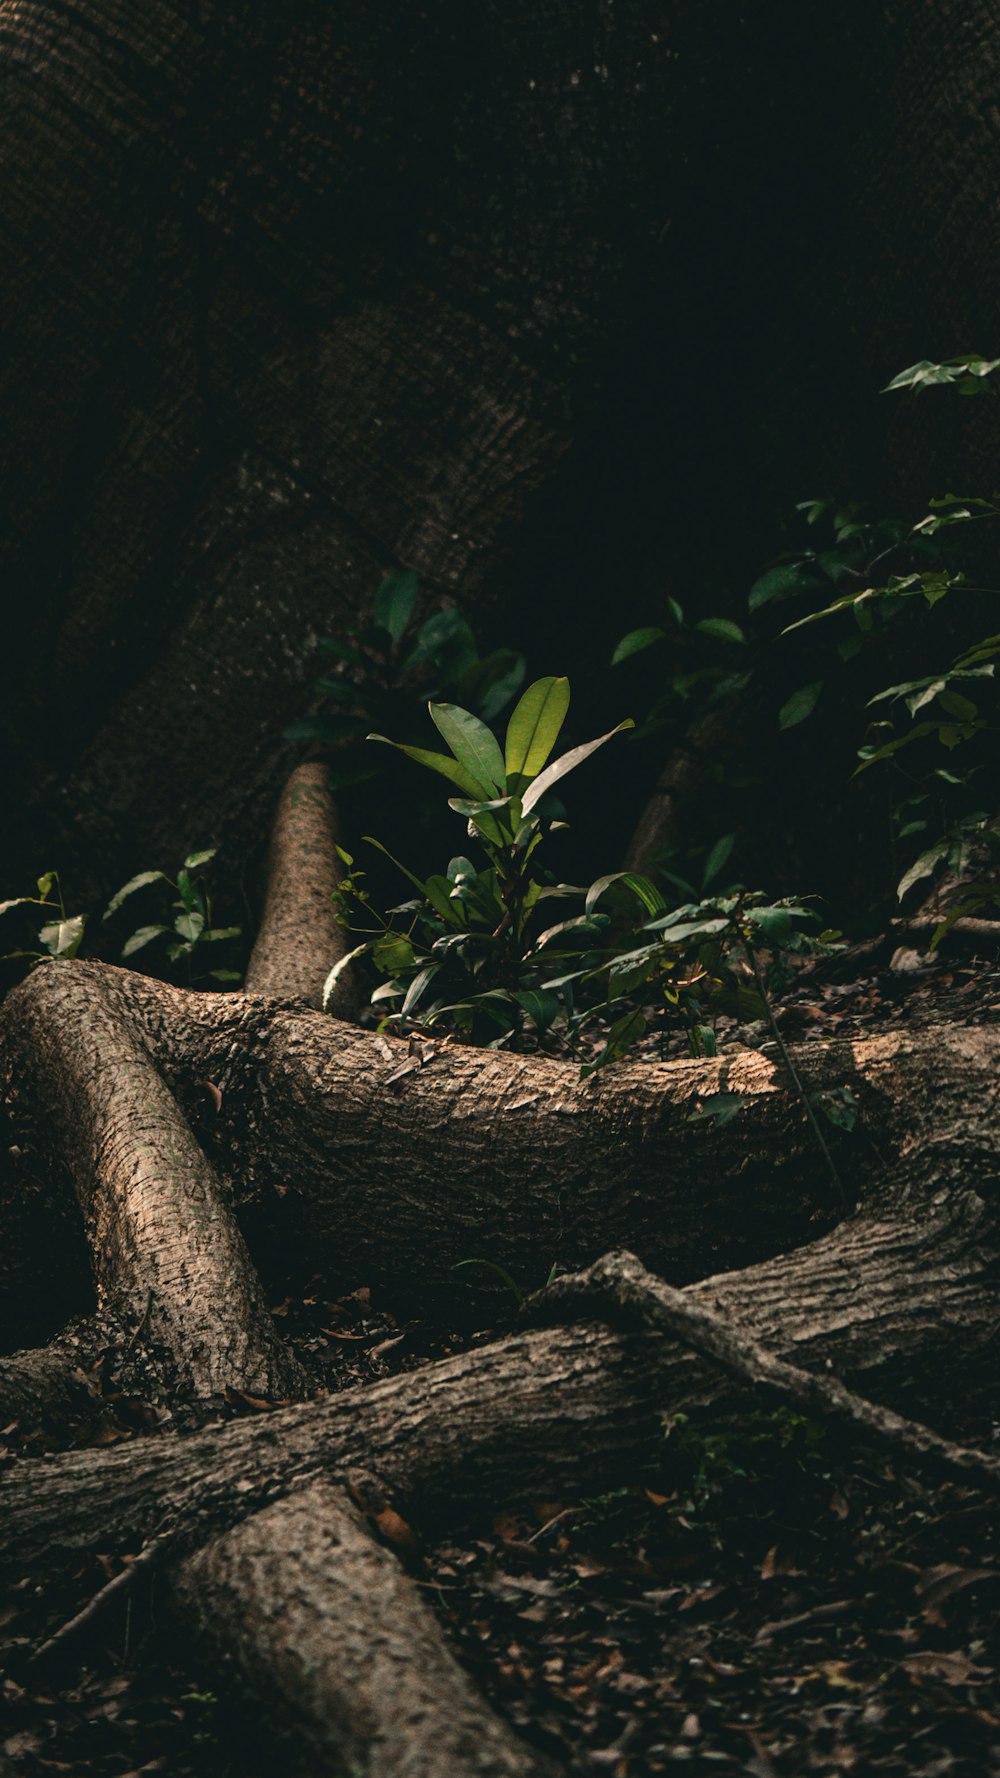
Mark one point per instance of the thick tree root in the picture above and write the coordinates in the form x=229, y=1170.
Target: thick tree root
x=300, y=939
x=619, y=1280
x=48, y=1385
x=326, y=1629
x=166, y=1248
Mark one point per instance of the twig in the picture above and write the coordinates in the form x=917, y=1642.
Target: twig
x=147, y=1558
x=649, y=1301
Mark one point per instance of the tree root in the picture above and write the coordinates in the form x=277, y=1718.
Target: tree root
x=325, y=1627
x=299, y=938
x=164, y=1241
x=621, y=1281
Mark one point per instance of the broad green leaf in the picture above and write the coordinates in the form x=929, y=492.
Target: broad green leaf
x=420, y=982
x=475, y=747
x=44, y=884
x=220, y=932
x=392, y=952
x=645, y=892
x=534, y=728
x=195, y=860
x=142, y=937
x=438, y=762
x=134, y=883
x=189, y=926
x=567, y=763
x=539, y=1006
x=224, y=975
x=438, y=892
x=636, y=640
x=63, y=938
x=394, y=603
x=924, y=866
x=781, y=583
x=801, y=704
x=775, y=924
x=338, y=970
x=721, y=627
x=717, y=857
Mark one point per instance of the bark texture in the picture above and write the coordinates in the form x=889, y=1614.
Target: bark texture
x=323, y=1624
x=299, y=938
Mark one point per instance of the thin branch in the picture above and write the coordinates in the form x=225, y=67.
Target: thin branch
x=648, y=1301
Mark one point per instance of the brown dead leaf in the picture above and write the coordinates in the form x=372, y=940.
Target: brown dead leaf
x=395, y=1529
x=953, y=1668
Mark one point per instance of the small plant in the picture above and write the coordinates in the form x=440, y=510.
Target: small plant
x=476, y=952
x=186, y=928
x=942, y=721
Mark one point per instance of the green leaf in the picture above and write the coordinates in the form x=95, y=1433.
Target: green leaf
x=392, y=952
x=474, y=746
x=220, y=932
x=420, y=982
x=44, y=885
x=500, y=1271
x=801, y=704
x=534, y=728
x=338, y=970
x=623, y=1034
x=195, y=860
x=721, y=627
x=645, y=892
x=781, y=583
x=142, y=937
x=775, y=924
x=924, y=866
x=717, y=857
x=224, y=975
x=189, y=926
x=394, y=602
x=567, y=763
x=63, y=938
x=635, y=641
x=438, y=762
x=134, y=883
x=540, y=1007
x=718, y=1109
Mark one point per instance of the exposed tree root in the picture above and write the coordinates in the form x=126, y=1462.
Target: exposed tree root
x=709, y=735
x=48, y=1385
x=462, y=1154
x=165, y=1244
x=620, y=1281
x=299, y=939
x=326, y=1628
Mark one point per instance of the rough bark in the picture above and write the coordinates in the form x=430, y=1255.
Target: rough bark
x=299, y=938
x=326, y=1628
x=166, y=1248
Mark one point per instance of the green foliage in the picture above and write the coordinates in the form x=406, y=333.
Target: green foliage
x=477, y=951
x=745, y=1470
x=182, y=935
x=383, y=669
x=943, y=720
x=700, y=673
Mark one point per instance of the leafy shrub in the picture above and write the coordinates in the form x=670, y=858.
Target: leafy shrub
x=476, y=951
x=181, y=936
x=942, y=720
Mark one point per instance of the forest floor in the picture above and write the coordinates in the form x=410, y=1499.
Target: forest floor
x=786, y=1605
